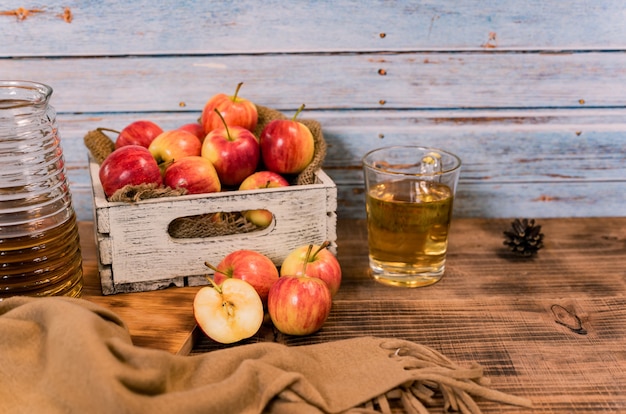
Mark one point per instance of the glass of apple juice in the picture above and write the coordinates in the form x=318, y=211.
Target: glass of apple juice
x=409, y=194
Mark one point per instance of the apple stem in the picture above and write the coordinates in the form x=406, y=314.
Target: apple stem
x=234, y=98
x=216, y=270
x=322, y=247
x=164, y=165
x=224, y=122
x=213, y=284
x=297, y=112
x=306, y=259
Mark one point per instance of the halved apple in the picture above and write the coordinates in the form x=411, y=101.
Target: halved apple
x=228, y=312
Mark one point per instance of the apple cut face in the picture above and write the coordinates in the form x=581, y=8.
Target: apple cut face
x=229, y=312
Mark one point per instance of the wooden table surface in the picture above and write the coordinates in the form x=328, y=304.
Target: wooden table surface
x=551, y=328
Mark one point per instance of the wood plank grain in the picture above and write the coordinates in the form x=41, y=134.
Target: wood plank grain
x=504, y=112
x=134, y=238
x=550, y=329
x=158, y=319
x=539, y=200
x=514, y=199
x=198, y=27
x=523, y=349
x=383, y=80
x=544, y=163
x=532, y=145
x=582, y=258
x=531, y=95
x=529, y=147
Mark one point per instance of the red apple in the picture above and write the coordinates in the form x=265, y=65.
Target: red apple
x=263, y=179
x=195, y=128
x=258, y=180
x=174, y=144
x=287, y=146
x=228, y=312
x=253, y=267
x=138, y=133
x=322, y=264
x=130, y=164
x=194, y=173
x=299, y=305
x=236, y=111
x=233, y=151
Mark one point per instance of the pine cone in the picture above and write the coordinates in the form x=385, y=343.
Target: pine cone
x=524, y=238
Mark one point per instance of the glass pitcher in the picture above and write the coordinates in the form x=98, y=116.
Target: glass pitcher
x=39, y=243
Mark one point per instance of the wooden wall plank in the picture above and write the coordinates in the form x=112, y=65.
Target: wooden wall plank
x=545, y=163
x=222, y=27
x=411, y=81
x=532, y=95
x=474, y=200
x=496, y=151
x=539, y=200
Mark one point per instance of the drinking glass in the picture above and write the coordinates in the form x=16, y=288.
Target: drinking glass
x=409, y=195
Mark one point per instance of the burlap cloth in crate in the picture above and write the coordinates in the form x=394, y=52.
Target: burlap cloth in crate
x=101, y=145
x=64, y=355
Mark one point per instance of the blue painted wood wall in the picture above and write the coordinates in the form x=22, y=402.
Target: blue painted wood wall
x=530, y=94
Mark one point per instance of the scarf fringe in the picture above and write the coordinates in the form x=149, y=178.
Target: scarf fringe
x=435, y=381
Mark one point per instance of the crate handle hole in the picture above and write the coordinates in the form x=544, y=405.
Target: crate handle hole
x=219, y=224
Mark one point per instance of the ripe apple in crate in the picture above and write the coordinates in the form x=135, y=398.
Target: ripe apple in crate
x=128, y=165
x=237, y=111
x=228, y=312
x=194, y=173
x=258, y=180
x=140, y=132
x=234, y=152
x=287, y=146
x=322, y=264
x=195, y=128
x=253, y=267
x=174, y=144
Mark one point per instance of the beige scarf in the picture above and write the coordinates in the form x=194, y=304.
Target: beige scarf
x=62, y=355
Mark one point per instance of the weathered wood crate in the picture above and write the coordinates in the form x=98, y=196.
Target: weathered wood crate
x=137, y=253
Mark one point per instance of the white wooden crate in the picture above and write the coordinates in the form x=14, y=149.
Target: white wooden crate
x=136, y=252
